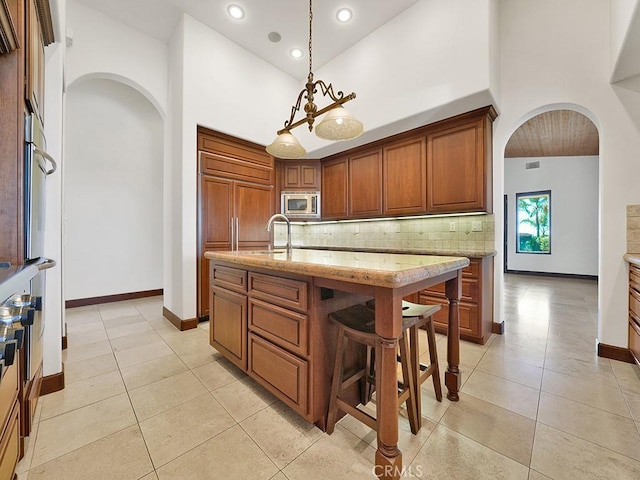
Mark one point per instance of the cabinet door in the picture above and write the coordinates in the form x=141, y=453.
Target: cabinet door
x=334, y=189
x=253, y=205
x=228, y=325
x=456, y=169
x=404, y=176
x=301, y=176
x=365, y=184
x=34, y=62
x=216, y=209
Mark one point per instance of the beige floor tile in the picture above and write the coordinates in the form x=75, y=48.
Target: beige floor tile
x=518, y=372
x=558, y=454
x=628, y=376
x=160, y=324
x=229, y=455
x=81, y=315
x=82, y=393
x=121, y=455
x=143, y=353
x=294, y=434
x=533, y=475
x=109, y=311
x=91, y=336
x=279, y=476
x=152, y=371
x=92, y=367
x=497, y=428
x=448, y=454
x=149, y=306
x=243, y=398
x=65, y=433
x=218, y=374
x=532, y=355
x=633, y=402
x=151, y=476
x=176, y=431
x=86, y=327
x=125, y=342
x=606, y=429
x=129, y=329
x=432, y=408
x=84, y=352
x=600, y=370
x=160, y=396
x=593, y=393
x=339, y=456
x=504, y=393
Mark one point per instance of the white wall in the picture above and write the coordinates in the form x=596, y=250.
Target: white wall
x=573, y=182
x=113, y=191
x=556, y=54
x=103, y=47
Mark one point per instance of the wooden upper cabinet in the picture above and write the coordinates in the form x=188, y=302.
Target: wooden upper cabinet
x=254, y=204
x=459, y=164
x=365, y=184
x=334, y=189
x=301, y=176
x=404, y=177
x=39, y=33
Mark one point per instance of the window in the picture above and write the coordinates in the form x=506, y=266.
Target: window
x=533, y=222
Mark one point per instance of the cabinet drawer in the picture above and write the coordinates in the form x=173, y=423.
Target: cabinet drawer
x=282, y=373
x=634, y=302
x=8, y=390
x=634, y=277
x=281, y=291
x=634, y=340
x=229, y=167
x=468, y=316
x=10, y=445
x=469, y=291
x=230, y=278
x=473, y=269
x=281, y=326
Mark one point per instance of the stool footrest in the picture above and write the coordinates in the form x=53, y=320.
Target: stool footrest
x=361, y=416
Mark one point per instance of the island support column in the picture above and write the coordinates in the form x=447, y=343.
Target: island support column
x=388, y=456
x=452, y=377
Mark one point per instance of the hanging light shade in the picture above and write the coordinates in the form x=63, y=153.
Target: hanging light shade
x=338, y=124
x=286, y=146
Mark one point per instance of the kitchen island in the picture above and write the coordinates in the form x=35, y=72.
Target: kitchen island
x=269, y=316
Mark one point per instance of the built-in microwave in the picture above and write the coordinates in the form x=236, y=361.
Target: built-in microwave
x=301, y=204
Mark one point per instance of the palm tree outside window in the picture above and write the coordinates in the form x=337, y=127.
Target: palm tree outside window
x=533, y=222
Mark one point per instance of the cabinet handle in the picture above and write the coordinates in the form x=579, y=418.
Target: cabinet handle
x=237, y=234
x=232, y=237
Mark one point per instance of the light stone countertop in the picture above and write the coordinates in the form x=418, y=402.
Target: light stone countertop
x=390, y=270
x=414, y=251
x=633, y=258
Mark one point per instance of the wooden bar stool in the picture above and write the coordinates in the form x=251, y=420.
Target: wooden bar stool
x=357, y=323
x=414, y=317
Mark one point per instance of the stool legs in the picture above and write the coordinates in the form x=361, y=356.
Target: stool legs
x=409, y=387
x=336, y=383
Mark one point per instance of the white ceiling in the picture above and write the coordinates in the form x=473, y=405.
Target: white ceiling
x=290, y=18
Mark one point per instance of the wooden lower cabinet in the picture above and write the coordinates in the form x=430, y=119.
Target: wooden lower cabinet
x=634, y=312
x=476, y=302
x=260, y=323
x=228, y=327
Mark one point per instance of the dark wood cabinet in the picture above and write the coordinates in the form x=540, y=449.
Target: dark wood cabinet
x=404, y=177
x=365, y=182
x=334, y=189
x=459, y=166
x=34, y=78
x=476, y=302
x=236, y=199
x=301, y=175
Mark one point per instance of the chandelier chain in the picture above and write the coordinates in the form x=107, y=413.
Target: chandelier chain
x=310, y=36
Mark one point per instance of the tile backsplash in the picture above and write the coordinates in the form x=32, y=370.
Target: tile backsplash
x=470, y=233
x=633, y=228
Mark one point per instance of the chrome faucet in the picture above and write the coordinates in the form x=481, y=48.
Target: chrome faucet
x=281, y=217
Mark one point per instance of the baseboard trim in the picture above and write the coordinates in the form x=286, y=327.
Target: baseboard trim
x=615, y=353
x=52, y=383
x=177, y=322
x=83, y=302
x=497, y=327
x=65, y=343
x=553, y=274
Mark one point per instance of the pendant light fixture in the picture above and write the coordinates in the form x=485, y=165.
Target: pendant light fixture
x=337, y=124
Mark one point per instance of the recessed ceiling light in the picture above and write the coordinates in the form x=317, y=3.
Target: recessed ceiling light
x=296, y=53
x=344, y=15
x=235, y=11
